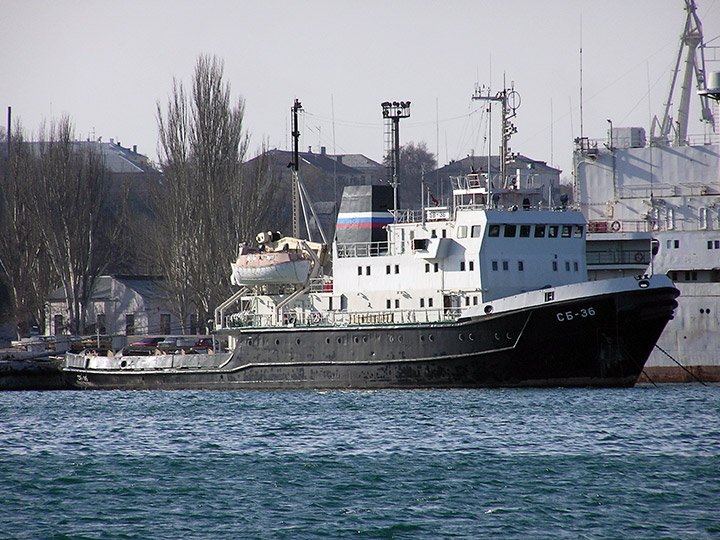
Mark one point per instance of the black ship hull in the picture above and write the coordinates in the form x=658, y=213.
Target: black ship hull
x=601, y=341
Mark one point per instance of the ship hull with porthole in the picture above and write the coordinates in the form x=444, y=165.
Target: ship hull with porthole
x=601, y=340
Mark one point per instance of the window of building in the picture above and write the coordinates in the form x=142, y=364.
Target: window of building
x=494, y=265
x=576, y=268
x=506, y=266
x=130, y=325
x=462, y=231
x=554, y=266
x=493, y=231
x=58, y=325
x=524, y=231
x=539, y=231
x=521, y=266
x=100, y=321
x=164, y=323
x=510, y=231
x=567, y=266
x=476, y=231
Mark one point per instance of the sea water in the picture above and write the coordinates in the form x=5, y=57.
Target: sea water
x=423, y=464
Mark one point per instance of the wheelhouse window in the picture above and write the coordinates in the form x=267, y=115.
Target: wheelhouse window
x=566, y=230
x=539, y=231
x=462, y=231
x=578, y=231
x=524, y=231
x=476, y=231
x=510, y=231
x=494, y=231
x=552, y=231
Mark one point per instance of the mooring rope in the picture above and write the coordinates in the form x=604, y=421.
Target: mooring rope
x=698, y=379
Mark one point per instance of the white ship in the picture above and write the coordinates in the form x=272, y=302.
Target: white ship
x=654, y=205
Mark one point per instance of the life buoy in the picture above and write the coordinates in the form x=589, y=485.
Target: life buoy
x=615, y=226
x=315, y=318
x=639, y=257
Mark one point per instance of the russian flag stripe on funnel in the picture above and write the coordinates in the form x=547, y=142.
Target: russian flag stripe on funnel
x=363, y=220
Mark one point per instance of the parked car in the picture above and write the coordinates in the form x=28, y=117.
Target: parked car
x=144, y=347
x=100, y=344
x=204, y=344
x=173, y=344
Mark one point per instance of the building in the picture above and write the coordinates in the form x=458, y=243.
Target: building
x=121, y=305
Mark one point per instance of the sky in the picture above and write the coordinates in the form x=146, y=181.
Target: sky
x=107, y=65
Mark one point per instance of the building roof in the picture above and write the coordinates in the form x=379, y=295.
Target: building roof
x=148, y=287
x=479, y=164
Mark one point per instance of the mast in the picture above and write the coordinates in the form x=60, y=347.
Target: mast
x=297, y=106
x=393, y=112
x=510, y=101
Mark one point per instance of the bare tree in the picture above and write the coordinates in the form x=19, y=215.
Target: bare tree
x=24, y=266
x=208, y=201
x=68, y=201
x=415, y=162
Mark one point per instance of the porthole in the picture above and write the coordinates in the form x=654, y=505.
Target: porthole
x=123, y=363
x=431, y=338
x=277, y=342
x=297, y=341
x=461, y=337
x=356, y=339
x=327, y=340
x=422, y=338
x=391, y=338
x=471, y=337
x=249, y=342
x=488, y=309
x=400, y=339
x=365, y=339
x=339, y=340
